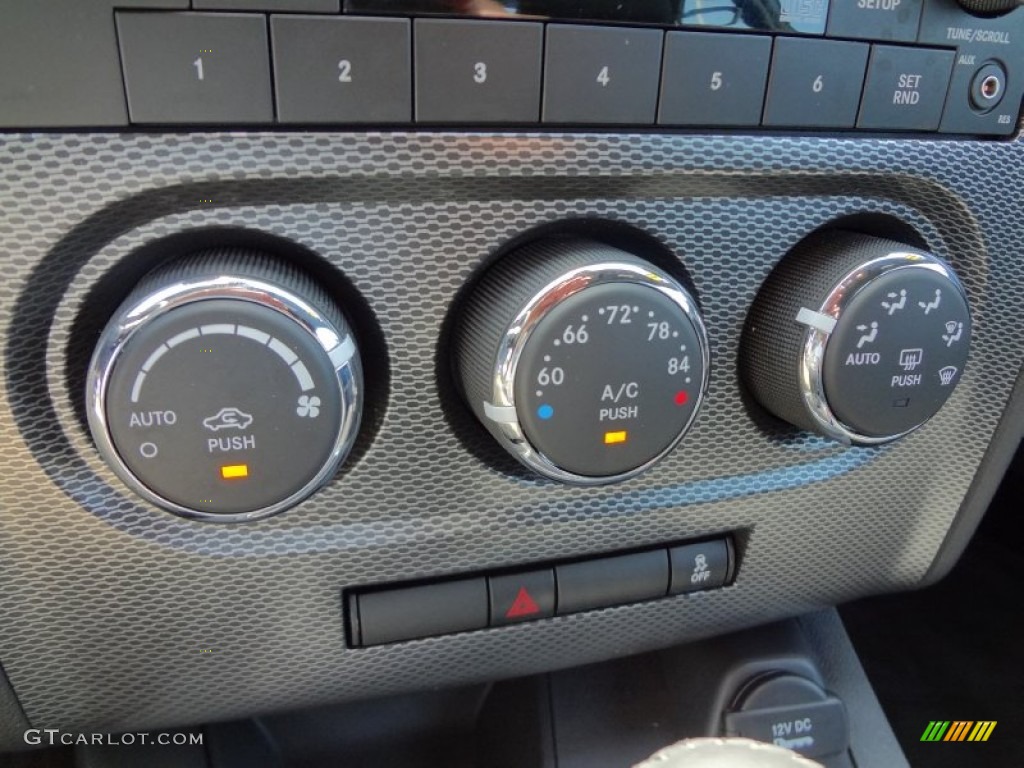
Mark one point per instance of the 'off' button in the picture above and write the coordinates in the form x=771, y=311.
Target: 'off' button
x=699, y=566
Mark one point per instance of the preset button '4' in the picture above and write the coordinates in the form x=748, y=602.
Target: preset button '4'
x=601, y=74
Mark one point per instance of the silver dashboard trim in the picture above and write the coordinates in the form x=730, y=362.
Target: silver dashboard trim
x=135, y=314
x=509, y=427
x=812, y=357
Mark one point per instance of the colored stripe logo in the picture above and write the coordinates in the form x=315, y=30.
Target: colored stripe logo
x=958, y=730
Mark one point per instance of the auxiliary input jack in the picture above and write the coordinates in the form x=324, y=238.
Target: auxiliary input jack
x=988, y=87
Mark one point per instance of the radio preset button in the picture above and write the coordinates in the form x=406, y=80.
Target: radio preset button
x=196, y=67
x=343, y=70
x=477, y=71
x=815, y=83
x=712, y=79
x=284, y=6
x=601, y=75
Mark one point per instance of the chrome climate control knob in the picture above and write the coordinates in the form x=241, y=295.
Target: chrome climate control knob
x=857, y=338
x=226, y=387
x=587, y=363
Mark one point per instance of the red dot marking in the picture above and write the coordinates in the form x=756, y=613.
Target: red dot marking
x=681, y=398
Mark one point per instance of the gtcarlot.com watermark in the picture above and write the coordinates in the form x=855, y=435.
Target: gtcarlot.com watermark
x=54, y=737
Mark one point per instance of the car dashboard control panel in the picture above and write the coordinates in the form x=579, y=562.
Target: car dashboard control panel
x=393, y=614
x=873, y=65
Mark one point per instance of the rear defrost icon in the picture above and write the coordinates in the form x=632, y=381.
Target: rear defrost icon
x=911, y=358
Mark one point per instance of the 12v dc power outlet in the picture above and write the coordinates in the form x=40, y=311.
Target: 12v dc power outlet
x=792, y=712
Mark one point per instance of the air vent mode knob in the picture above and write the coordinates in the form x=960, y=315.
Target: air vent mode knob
x=857, y=338
x=585, y=362
x=226, y=387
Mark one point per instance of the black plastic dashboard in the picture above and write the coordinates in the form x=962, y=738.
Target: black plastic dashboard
x=119, y=614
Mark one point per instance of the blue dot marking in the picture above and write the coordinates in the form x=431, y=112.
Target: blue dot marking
x=545, y=411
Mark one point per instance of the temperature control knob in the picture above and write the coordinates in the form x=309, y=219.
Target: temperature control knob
x=857, y=338
x=587, y=363
x=227, y=386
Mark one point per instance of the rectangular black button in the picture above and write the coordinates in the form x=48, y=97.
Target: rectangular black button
x=815, y=83
x=59, y=65
x=611, y=581
x=278, y=6
x=905, y=88
x=414, y=612
x=876, y=19
x=196, y=67
x=522, y=597
x=477, y=71
x=699, y=566
x=601, y=75
x=342, y=70
x=710, y=79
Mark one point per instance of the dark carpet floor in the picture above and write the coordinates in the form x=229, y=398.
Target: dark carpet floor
x=955, y=651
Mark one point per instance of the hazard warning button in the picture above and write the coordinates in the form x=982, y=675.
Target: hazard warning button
x=522, y=597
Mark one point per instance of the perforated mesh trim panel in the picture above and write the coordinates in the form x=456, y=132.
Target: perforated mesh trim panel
x=107, y=602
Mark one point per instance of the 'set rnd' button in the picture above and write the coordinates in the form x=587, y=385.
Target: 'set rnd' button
x=905, y=88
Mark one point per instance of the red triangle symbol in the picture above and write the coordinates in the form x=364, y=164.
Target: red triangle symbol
x=524, y=605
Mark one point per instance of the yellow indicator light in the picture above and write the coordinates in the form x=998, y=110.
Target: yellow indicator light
x=611, y=438
x=232, y=471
